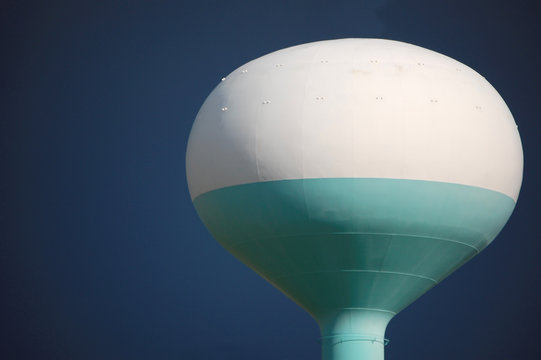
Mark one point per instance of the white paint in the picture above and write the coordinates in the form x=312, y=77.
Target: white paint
x=355, y=108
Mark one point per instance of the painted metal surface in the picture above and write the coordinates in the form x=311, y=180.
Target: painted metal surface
x=355, y=108
x=354, y=243
x=353, y=252
x=354, y=175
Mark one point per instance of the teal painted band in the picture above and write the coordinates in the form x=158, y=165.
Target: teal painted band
x=348, y=243
x=353, y=334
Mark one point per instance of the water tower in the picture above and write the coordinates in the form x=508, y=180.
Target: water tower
x=354, y=175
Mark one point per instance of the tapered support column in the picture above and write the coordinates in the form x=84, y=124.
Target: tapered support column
x=353, y=334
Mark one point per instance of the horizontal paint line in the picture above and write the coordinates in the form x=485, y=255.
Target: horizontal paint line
x=356, y=308
x=358, y=271
x=354, y=233
x=338, y=339
x=419, y=180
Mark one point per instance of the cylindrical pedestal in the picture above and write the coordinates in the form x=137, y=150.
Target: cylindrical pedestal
x=353, y=334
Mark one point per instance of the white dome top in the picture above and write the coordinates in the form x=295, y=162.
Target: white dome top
x=354, y=108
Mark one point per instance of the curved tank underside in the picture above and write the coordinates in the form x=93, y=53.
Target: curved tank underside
x=354, y=243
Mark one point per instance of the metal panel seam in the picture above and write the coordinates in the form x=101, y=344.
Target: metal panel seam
x=359, y=271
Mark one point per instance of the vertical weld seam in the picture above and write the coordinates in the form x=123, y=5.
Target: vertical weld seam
x=256, y=138
x=303, y=123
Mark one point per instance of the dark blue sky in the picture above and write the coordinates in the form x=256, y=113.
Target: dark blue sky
x=102, y=255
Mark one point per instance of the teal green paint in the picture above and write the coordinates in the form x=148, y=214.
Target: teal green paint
x=353, y=334
x=353, y=248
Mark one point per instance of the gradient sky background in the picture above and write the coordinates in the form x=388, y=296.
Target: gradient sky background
x=102, y=255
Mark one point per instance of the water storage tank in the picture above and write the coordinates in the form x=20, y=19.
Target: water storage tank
x=354, y=175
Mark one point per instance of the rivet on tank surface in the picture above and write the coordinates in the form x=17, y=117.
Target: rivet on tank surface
x=224, y=108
